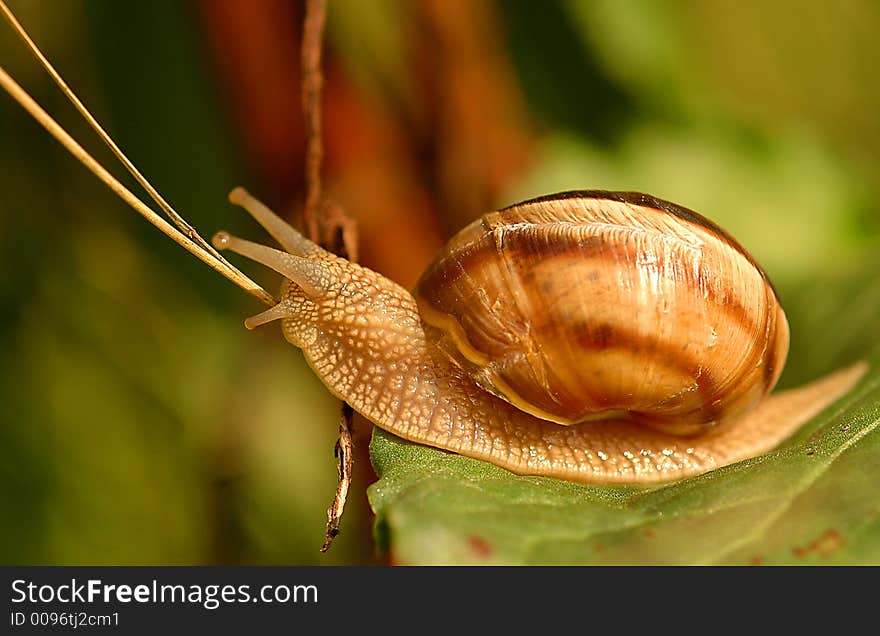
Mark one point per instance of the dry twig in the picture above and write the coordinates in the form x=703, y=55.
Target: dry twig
x=327, y=225
x=344, y=453
x=312, y=83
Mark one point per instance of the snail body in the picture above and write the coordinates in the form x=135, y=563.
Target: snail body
x=592, y=336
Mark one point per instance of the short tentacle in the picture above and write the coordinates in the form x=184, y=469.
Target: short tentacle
x=277, y=312
x=292, y=241
x=310, y=274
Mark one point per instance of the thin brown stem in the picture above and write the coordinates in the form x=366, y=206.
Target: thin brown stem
x=326, y=224
x=344, y=453
x=312, y=82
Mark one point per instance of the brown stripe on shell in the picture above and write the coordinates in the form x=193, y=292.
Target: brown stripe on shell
x=769, y=370
x=769, y=362
x=764, y=355
x=606, y=336
x=770, y=365
x=646, y=200
x=599, y=249
x=774, y=343
x=592, y=247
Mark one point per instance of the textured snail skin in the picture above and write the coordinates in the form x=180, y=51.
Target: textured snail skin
x=364, y=337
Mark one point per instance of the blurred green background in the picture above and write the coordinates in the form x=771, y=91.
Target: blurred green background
x=142, y=424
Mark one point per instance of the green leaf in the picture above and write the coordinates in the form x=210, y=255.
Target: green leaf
x=812, y=501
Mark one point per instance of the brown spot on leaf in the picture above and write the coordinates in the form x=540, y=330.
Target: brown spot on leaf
x=649, y=534
x=756, y=560
x=480, y=547
x=825, y=545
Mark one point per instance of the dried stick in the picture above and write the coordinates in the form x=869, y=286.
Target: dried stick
x=312, y=83
x=344, y=453
x=327, y=225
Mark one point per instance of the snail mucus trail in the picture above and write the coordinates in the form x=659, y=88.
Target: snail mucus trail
x=591, y=336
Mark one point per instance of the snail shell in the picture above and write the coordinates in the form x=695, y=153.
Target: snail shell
x=583, y=305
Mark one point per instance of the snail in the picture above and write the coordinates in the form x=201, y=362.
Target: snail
x=598, y=337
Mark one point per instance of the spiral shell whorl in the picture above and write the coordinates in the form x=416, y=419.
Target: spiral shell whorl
x=585, y=305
